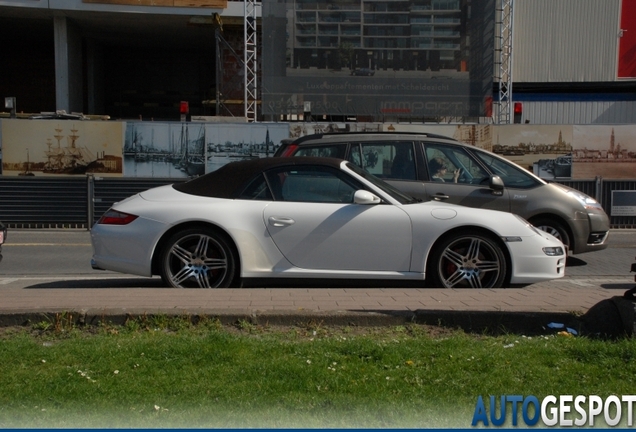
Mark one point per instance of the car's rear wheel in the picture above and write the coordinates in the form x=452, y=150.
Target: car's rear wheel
x=467, y=260
x=198, y=258
x=555, y=228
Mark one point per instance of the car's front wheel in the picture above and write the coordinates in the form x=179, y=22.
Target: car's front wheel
x=198, y=258
x=467, y=260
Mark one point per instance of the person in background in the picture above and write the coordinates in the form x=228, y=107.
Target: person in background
x=439, y=169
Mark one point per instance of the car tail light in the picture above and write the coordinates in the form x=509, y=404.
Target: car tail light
x=114, y=217
x=290, y=150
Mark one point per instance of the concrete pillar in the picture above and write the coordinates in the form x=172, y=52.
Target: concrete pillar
x=68, y=66
x=94, y=77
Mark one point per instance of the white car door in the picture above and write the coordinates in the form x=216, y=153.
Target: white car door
x=316, y=225
x=332, y=236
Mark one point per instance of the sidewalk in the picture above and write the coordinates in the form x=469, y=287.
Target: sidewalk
x=115, y=298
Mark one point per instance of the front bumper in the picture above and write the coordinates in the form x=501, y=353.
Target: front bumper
x=530, y=264
x=590, y=232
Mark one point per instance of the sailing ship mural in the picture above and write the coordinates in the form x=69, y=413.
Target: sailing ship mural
x=164, y=150
x=190, y=149
x=61, y=148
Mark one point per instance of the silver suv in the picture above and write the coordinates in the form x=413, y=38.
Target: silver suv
x=434, y=167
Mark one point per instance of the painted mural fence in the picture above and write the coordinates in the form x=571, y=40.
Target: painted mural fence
x=182, y=150
x=46, y=163
x=131, y=149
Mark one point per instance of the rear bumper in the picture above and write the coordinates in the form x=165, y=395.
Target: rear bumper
x=3, y=238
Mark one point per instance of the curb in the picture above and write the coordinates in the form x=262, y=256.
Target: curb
x=527, y=323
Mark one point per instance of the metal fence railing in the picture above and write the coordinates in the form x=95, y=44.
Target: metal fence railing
x=77, y=202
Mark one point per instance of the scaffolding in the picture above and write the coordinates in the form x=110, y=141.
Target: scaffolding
x=250, y=60
x=503, y=49
x=228, y=82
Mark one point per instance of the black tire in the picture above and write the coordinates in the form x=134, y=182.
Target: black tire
x=198, y=258
x=467, y=260
x=555, y=228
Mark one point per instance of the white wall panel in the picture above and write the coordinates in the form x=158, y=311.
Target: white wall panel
x=596, y=112
x=565, y=40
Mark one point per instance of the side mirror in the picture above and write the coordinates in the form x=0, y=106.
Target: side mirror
x=496, y=184
x=365, y=197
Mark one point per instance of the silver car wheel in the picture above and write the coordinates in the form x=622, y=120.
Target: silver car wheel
x=551, y=230
x=197, y=260
x=470, y=261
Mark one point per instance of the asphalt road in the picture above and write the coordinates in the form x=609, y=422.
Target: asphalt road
x=52, y=253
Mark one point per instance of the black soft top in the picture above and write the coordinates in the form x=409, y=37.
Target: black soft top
x=231, y=179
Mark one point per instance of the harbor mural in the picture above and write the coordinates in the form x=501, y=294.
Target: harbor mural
x=546, y=150
x=232, y=142
x=607, y=151
x=301, y=129
x=476, y=135
x=188, y=149
x=61, y=147
x=163, y=150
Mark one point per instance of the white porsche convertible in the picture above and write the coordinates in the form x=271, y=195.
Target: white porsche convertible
x=317, y=218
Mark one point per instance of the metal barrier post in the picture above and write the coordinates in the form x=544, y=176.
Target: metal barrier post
x=90, y=200
x=598, y=192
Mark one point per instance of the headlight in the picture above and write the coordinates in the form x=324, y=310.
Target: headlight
x=553, y=251
x=586, y=201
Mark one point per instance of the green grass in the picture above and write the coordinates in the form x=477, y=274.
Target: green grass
x=161, y=372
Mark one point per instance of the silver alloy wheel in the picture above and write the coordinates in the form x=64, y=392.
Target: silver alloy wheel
x=471, y=262
x=196, y=260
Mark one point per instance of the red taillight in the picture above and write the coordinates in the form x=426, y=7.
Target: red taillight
x=184, y=107
x=289, y=150
x=114, y=217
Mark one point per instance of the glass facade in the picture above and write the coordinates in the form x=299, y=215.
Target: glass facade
x=377, y=58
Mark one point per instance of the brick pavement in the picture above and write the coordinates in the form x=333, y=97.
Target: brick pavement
x=590, y=279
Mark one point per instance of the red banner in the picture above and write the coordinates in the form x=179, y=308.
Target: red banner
x=627, y=41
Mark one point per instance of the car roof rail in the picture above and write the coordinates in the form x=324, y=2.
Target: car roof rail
x=329, y=134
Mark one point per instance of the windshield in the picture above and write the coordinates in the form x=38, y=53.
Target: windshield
x=512, y=174
x=401, y=197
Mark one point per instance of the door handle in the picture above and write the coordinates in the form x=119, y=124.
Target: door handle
x=440, y=197
x=280, y=221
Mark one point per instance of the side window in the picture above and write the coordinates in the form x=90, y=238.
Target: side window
x=447, y=163
x=392, y=160
x=334, y=151
x=311, y=184
x=512, y=175
x=257, y=189
x=355, y=156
